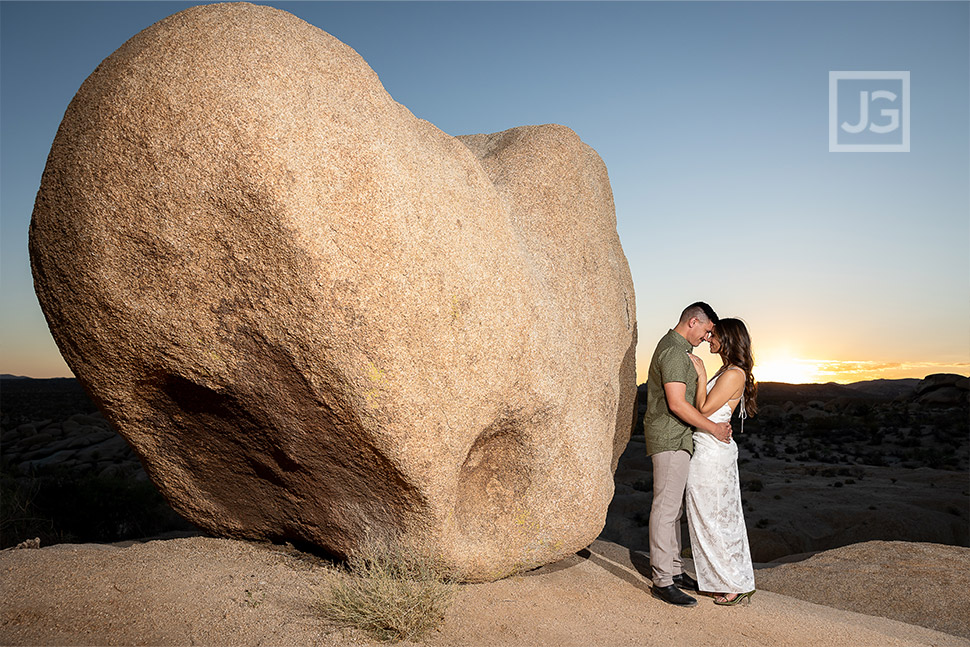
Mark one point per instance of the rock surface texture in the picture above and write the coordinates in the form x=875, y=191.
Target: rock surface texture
x=846, y=577
x=316, y=317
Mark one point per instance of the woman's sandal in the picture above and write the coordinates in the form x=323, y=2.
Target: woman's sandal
x=739, y=598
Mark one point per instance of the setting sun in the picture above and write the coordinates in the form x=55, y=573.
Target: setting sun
x=777, y=366
x=783, y=365
x=789, y=370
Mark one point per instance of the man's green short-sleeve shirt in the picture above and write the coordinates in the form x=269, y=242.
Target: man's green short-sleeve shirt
x=663, y=430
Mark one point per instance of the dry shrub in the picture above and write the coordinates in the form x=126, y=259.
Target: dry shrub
x=390, y=591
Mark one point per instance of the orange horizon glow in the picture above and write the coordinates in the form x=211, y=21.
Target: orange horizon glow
x=801, y=372
x=771, y=365
x=795, y=370
x=778, y=367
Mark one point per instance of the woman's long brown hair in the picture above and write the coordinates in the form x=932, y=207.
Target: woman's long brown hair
x=736, y=351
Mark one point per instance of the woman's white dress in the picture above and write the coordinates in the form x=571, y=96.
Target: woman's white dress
x=718, y=538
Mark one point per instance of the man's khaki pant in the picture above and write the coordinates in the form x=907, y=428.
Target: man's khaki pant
x=669, y=480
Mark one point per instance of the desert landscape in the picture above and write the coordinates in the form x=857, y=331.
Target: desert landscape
x=856, y=543
x=827, y=465
x=342, y=364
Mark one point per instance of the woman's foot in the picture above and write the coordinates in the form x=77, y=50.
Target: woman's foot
x=730, y=599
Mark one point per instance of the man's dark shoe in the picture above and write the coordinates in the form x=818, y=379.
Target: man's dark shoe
x=672, y=595
x=686, y=582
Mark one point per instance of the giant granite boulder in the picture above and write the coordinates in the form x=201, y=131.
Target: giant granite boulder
x=316, y=317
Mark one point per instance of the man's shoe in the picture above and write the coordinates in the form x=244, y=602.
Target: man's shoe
x=672, y=595
x=686, y=582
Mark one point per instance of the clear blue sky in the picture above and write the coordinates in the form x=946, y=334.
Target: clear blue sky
x=712, y=119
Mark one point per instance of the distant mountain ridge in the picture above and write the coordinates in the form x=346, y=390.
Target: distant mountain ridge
x=946, y=388
x=879, y=389
x=889, y=388
x=768, y=392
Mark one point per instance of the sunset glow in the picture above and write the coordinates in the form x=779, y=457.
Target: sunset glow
x=782, y=365
x=819, y=371
x=792, y=371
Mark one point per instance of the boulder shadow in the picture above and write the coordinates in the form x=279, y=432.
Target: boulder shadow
x=631, y=566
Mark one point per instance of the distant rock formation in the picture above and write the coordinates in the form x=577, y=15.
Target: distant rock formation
x=81, y=443
x=315, y=316
x=943, y=389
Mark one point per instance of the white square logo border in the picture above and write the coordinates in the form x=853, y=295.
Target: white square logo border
x=834, y=145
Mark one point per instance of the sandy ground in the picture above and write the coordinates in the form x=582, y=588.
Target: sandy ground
x=204, y=591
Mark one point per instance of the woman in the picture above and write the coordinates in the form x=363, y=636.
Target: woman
x=719, y=541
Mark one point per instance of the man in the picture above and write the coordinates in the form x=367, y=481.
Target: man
x=667, y=424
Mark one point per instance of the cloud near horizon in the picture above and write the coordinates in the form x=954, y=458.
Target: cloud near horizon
x=873, y=370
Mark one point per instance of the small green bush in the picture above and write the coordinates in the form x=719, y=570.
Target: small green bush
x=390, y=592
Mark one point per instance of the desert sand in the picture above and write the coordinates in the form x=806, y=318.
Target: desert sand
x=206, y=591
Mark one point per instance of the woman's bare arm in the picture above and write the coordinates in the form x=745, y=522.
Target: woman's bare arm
x=729, y=386
x=676, y=400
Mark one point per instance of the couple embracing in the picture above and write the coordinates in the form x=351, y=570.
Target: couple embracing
x=688, y=434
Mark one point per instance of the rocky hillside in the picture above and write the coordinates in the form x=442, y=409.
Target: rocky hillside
x=882, y=423
x=822, y=466
x=828, y=465
x=66, y=475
